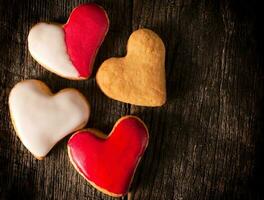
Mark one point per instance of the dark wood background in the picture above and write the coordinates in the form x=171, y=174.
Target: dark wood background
x=207, y=141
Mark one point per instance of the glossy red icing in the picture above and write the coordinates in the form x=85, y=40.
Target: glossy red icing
x=84, y=33
x=110, y=163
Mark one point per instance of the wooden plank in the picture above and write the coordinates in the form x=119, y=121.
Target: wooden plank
x=54, y=178
x=202, y=144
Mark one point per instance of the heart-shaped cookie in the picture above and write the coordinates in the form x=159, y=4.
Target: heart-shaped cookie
x=109, y=162
x=70, y=50
x=41, y=119
x=139, y=77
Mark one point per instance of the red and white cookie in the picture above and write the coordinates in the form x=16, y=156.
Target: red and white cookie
x=109, y=162
x=69, y=50
x=41, y=119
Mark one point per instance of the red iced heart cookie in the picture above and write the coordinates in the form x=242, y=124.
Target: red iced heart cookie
x=70, y=50
x=109, y=162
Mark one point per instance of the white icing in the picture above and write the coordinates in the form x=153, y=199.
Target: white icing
x=41, y=119
x=46, y=44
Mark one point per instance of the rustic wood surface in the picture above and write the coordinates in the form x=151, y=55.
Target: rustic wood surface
x=207, y=141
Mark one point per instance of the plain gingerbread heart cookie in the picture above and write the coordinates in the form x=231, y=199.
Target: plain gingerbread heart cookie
x=109, y=162
x=70, y=50
x=41, y=119
x=139, y=77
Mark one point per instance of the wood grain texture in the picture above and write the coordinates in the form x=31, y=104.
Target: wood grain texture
x=207, y=141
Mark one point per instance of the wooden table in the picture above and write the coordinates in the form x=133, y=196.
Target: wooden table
x=205, y=143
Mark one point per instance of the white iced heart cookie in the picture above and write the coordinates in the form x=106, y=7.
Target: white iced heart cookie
x=41, y=119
